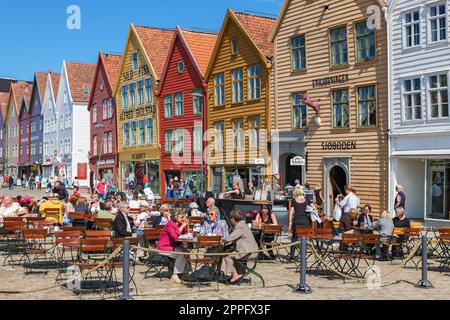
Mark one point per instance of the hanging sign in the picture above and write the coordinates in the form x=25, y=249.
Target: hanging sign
x=298, y=162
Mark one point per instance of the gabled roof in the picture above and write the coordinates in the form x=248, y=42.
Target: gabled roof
x=156, y=43
x=201, y=46
x=259, y=29
x=55, y=77
x=21, y=90
x=24, y=107
x=80, y=77
x=381, y=3
x=41, y=79
x=255, y=28
x=111, y=64
x=3, y=103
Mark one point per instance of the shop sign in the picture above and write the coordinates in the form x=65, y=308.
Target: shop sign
x=138, y=156
x=260, y=161
x=82, y=169
x=328, y=81
x=103, y=162
x=339, y=145
x=298, y=162
x=138, y=113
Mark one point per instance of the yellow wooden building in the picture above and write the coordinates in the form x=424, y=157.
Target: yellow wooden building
x=238, y=108
x=144, y=57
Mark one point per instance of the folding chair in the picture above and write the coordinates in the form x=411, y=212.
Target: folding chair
x=98, y=234
x=117, y=262
x=394, y=242
x=102, y=224
x=52, y=215
x=349, y=256
x=271, y=238
x=444, y=257
x=413, y=236
x=210, y=244
x=370, y=246
x=77, y=219
x=13, y=242
x=80, y=229
x=36, y=254
x=67, y=242
x=154, y=261
x=246, y=270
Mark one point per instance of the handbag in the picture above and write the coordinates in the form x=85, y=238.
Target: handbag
x=337, y=213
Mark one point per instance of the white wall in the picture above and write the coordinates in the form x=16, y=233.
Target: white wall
x=410, y=173
x=80, y=139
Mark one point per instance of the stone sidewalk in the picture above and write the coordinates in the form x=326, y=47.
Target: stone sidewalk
x=281, y=279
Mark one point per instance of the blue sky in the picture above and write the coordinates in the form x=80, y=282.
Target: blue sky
x=35, y=36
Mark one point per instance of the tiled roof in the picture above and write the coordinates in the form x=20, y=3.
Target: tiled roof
x=112, y=65
x=55, y=82
x=259, y=29
x=3, y=102
x=201, y=45
x=157, y=44
x=80, y=77
x=41, y=78
x=21, y=90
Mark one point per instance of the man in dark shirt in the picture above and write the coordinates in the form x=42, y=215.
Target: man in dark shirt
x=61, y=191
x=400, y=198
x=400, y=221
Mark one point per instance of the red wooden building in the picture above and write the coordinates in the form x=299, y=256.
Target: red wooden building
x=103, y=155
x=181, y=97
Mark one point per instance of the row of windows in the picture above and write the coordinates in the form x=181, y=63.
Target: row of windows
x=107, y=111
x=436, y=21
x=237, y=85
x=176, y=101
x=175, y=140
x=366, y=108
x=138, y=132
x=106, y=145
x=65, y=123
x=237, y=125
x=436, y=97
x=129, y=93
x=13, y=151
x=365, y=46
x=33, y=149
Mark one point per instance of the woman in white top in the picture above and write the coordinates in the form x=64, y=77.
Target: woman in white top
x=95, y=205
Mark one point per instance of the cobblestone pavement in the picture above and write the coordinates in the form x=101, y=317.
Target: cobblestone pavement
x=281, y=279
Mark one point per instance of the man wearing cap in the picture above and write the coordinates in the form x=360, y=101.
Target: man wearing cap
x=194, y=212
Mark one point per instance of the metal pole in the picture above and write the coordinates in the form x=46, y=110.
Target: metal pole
x=303, y=287
x=424, y=283
x=126, y=271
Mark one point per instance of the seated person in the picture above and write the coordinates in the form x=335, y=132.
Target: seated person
x=365, y=220
x=53, y=203
x=140, y=219
x=214, y=226
x=164, y=216
x=235, y=193
x=69, y=208
x=194, y=210
x=82, y=206
x=76, y=193
x=250, y=190
x=168, y=242
x=400, y=221
x=107, y=212
x=9, y=209
x=243, y=237
x=384, y=226
x=349, y=221
x=268, y=218
x=122, y=225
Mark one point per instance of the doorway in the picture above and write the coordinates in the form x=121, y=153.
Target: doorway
x=338, y=181
x=293, y=172
x=336, y=177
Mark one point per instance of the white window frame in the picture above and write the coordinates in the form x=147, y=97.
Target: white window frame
x=254, y=82
x=179, y=104
x=411, y=24
x=429, y=89
x=168, y=110
x=179, y=141
x=219, y=90
x=405, y=93
x=429, y=18
x=237, y=76
x=94, y=114
x=197, y=138
x=105, y=109
x=135, y=63
x=219, y=135
x=238, y=133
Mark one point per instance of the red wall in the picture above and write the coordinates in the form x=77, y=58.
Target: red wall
x=175, y=83
x=110, y=124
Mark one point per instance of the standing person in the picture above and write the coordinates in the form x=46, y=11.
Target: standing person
x=61, y=190
x=76, y=183
x=11, y=182
x=351, y=201
x=236, y=192
x=24, y=181
x=250, y=189
x=37, y=182
x=298, y=216
x=436, y=194
x=400, y=198
x=50, y=185
x=169, y=190
x=176, y=188
x=318, y=195
x=101, y=189
x=31, y=182
x=268, y=188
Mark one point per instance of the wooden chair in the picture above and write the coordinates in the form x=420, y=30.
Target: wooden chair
x=117, y=263
x=98, y=234
x=12, y=241
x=271, y=238
x=348, y=259
x=193, y=221
x=100, y=223
x=69, y=229
x=154, y=261
x=370, y=246
x=67, y=242
x=35, y=252
x=53, y=215
x=394, y=242
x=212, y=263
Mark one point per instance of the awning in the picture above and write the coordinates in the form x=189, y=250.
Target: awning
x=421, y=153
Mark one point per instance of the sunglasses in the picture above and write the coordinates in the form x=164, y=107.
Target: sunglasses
x=212, y=214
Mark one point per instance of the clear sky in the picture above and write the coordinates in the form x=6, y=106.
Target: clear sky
x=35, y=36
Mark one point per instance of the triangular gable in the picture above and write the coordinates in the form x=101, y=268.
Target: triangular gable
x=231, y=17
x=381, y=3
x=38, y=90
x=52, y=80
x=23, y=109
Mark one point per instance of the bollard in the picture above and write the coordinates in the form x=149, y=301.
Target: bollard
x=424, y=283
x=303, y=287
x=126, y=271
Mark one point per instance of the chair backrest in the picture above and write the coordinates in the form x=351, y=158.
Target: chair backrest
x=307, y=233
x=77, y=216
x=64, y=237
x=80, y=229
x=103, y=223
x=416, y=224
x=94, y=245
x=351, y=238
x=161, y=227
x=43, y=224
x=98, y=234
x=370, y=238
x=398, y=231
x=34, y=234
x=413, y=232
x=324, y=232
x=13, y=226
x=119, y=242
x=15, y=219
x=195, y=220
x=272, y=229
x=445, y=231
x=209, y=242
x=135, y=211
x=51, y=212
x=152, y=234
x=90, y=217
x=34, y=219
